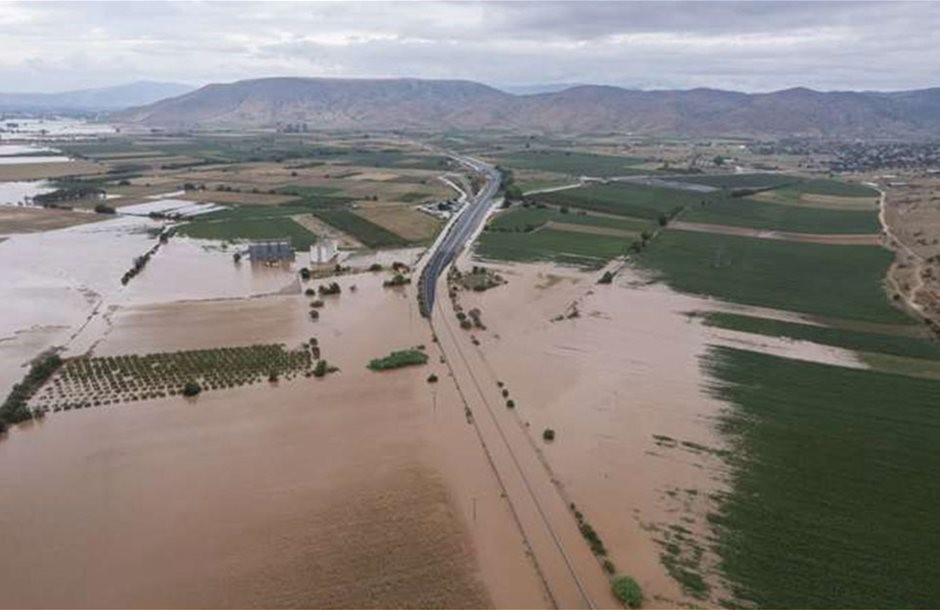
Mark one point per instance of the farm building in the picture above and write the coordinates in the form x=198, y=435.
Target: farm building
x=322, y=252
x=271, y=250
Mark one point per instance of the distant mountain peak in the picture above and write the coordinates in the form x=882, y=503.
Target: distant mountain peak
x=405, y=103
x=111, y=98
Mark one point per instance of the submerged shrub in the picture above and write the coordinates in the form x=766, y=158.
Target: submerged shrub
x=628, y=591
x=191, y=388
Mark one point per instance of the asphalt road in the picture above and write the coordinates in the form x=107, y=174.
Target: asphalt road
x=468, y=221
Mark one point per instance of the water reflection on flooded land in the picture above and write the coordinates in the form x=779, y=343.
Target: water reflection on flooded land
x=61, y=286
x=22, y=191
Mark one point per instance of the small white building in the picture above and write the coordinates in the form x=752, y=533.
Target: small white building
x=323, y=252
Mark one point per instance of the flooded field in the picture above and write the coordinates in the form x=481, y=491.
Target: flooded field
x=16, y=192
x=620, y=384
x=362, y=489
x=61, y=286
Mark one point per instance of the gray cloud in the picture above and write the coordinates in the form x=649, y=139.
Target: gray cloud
x=754, y=46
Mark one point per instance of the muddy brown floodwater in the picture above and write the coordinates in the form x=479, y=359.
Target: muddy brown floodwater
x=362, y=489
x=609, y=382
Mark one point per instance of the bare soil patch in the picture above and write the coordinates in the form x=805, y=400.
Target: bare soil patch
x=15, y=219
x=38, y=171
x=404, y=221
x=318, y=227
x=833, y=202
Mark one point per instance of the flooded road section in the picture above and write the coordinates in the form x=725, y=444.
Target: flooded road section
x=361, y=489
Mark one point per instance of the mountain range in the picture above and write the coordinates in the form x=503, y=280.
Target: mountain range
x=413, y=104
x=100, y=99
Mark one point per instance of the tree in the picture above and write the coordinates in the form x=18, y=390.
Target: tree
x=628, y=591
x=304, y=273
x=321, y=369
x=548, y=434
x=191, y=388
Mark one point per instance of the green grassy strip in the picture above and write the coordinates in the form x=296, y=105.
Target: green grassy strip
x=369, y=233
x=835, y=281
x=834, y=484
x=567, y=247
x=740, y=181
x=745, y=212
x=395, y=360
x=823, y=186
x=569, y=162
x=847, y=339
x=519, y=219
x=624, y=199
x=251, y=228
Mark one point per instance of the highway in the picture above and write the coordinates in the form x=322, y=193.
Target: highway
x=569, y=572
x=468, y=220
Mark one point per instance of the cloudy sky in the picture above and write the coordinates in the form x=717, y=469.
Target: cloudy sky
x=750, y=46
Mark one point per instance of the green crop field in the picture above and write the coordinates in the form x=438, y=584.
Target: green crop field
x=390, y=158
x=369, y=233
x=823, y=186
x=910, y=347
x=746, y=212
x=740, y=181
x=520, y=219
x=319, y=196
x=834, y=486
x=836, y=281
x=250, y=228
x=624, y=199
x=579, y=249
x=569, y=162
x=253, y=211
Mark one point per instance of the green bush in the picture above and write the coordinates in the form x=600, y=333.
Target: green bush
x=191, y=388
x=627, y=591
x=406, y=357
x=548, y=434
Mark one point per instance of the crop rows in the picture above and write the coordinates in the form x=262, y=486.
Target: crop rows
x=84, y=382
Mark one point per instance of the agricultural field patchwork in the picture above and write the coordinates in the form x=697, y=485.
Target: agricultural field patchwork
x=833, y=484
x=406, y=222
x=365, y=231
x=251, y=222
x=530, y=218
